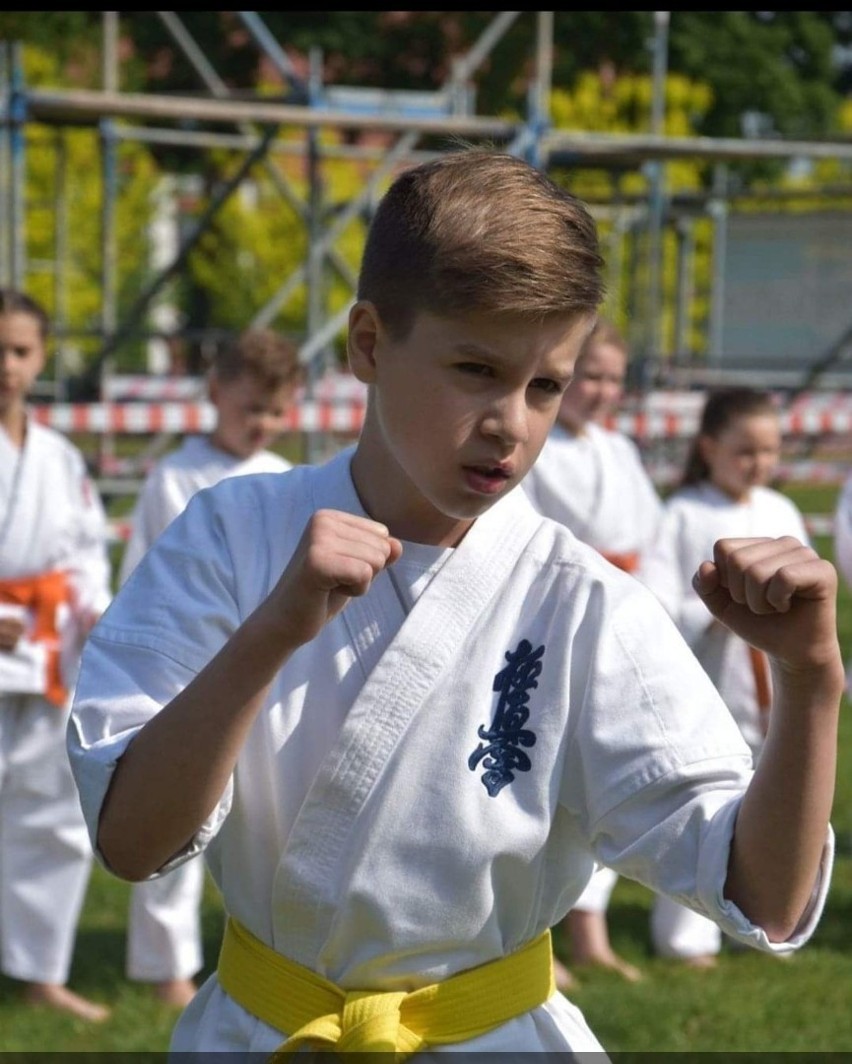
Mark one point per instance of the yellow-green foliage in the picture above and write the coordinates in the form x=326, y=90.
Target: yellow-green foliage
x=259, y=241
x=825, y=186
x=78, y=282
x=623, y=105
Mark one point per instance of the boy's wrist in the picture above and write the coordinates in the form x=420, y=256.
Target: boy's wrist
x=815, y=682
x=268, y=628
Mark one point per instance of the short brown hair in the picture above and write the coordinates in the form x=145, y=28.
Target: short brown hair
x=264, y=354
x=479, y=230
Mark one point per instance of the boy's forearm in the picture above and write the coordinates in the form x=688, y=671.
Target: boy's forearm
x=781, y=827
x=175, y=770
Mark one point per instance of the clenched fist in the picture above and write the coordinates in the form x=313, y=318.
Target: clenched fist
x=778, y=595
x=338, y=557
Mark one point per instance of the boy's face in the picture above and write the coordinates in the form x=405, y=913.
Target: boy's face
x=597, y=387
x=249, y=416
x=22, y=358
x=458, y=413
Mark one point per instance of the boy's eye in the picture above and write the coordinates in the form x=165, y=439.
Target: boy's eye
x=544, y=384
x=478, y=369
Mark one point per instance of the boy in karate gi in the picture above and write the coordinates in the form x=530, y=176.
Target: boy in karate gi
x=252, y=385
x=54, y=582
x=403, y=714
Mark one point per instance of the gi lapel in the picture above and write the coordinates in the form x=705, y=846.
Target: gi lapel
x=425, y=645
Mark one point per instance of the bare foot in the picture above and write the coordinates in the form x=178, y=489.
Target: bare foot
x=704, y=960
x=614, y=963
x=177, y=992
x=565, y=981
x=56, y=996
x=590, y=945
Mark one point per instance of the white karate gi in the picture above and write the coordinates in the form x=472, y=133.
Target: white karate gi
x=164, y=924
x=595, y=484
x=365, y=833
x=695, y=517
x=50, y=519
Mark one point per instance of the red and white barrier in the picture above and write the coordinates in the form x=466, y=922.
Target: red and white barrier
x=146, y=418
x=316, y=415
x=802, y=422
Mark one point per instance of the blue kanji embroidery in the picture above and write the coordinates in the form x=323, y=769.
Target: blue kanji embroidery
x=500, y=753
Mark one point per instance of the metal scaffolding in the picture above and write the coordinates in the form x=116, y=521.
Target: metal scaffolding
x=407, y=119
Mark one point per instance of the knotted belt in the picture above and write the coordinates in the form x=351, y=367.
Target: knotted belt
x=320, y=1015
x=44, y=594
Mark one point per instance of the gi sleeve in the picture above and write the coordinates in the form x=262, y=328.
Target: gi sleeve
x=657, y=768
x=176, y=610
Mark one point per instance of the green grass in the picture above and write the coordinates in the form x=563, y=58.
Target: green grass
x=750, y=1003
x=138, y=1022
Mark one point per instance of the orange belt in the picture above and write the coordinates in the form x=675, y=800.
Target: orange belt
x=43, y=595
x=628, y=560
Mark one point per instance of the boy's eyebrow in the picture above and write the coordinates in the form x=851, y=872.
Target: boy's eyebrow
x=471, y=349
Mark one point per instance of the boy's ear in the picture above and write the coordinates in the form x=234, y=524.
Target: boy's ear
x=365, y=329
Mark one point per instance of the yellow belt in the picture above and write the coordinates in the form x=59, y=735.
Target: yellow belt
x=320, y=1015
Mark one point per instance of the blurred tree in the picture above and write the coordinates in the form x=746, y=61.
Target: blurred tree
x=66, y=161
x=65, y=35
x=791, y=66
x=765, y=73
x=787, y=65
x=258, y=242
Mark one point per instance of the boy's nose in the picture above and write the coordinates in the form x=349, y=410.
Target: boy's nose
x=508, y=420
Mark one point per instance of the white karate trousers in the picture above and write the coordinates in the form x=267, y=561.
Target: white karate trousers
x=45, y=854
x=164, y=925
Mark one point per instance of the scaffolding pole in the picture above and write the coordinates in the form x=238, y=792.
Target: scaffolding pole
x=533, y=137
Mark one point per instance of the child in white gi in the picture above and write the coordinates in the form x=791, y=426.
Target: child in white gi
x=404, y=715
x=54, y=582
x=592, y=480
x=724, y=492
x=252, y=385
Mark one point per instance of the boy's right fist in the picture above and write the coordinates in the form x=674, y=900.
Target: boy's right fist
x=337, y=558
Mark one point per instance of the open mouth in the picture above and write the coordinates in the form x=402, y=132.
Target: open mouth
x=487, y=479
